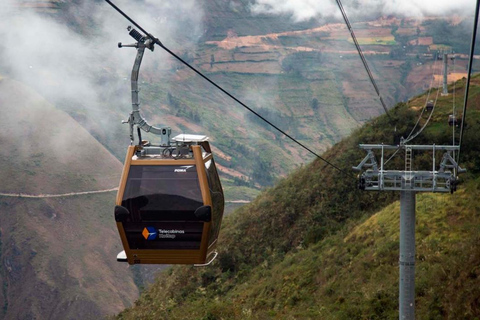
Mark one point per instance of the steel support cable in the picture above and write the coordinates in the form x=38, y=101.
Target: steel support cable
x=426, y=122
x=362, y=57
x=470, y=63
x=411, y=138
x=393, y=155
x=160, y=44
x=453, y=113
x=426, y=101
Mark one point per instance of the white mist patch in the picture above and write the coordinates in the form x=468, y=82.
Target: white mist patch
x=302, y=10
x=71, y=57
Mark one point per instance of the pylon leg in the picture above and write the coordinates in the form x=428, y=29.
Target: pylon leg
x=407, y=256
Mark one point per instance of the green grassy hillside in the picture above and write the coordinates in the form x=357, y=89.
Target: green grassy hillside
x=315, y=247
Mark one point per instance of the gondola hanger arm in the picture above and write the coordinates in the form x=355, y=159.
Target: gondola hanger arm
x=135, y=118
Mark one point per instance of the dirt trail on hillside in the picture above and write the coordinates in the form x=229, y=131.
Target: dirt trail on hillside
x=23, y=195
x=37, y=196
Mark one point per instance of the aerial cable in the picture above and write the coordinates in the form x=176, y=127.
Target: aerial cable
x=160, y=44
x=393, y=155
x=362, y=57
x=470, y=64
x=410, y=138
x=426, y=101
x=453, y=111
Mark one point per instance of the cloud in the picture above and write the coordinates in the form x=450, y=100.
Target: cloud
x=302, y=10
x=423, y=8
x=71, y=57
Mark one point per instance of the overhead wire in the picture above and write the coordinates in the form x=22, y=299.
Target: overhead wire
x=367, y=68
x=391, y=157
x=453, y=111
x=365, y=64
x=362, y=57
x=470, y=64
x=160, y=44
x=426, y=101
x=426, y=122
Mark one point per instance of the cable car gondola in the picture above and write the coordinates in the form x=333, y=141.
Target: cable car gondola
x=429, y=106
x=454, y=121
x=170, y=202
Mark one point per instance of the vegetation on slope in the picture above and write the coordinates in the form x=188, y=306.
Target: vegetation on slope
x=316, y=247
x=352, y=274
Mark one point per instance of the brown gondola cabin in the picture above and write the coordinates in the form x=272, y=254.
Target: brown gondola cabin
x=454, y=121
x=170, y=204
x=430, y=105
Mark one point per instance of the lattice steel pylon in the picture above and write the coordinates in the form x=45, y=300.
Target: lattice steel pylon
x=408, y=182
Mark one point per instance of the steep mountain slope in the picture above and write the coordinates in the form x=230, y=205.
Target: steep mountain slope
x=57, y=253
x=315, y=247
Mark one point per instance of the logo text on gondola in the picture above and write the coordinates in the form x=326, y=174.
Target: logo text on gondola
x=182, y=169
x=169, y=233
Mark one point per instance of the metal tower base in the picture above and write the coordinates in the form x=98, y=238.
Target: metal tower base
x=408, y=182
x=407, y=256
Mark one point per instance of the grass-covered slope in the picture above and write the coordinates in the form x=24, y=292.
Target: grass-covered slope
x=315, y=247
x=352, y=274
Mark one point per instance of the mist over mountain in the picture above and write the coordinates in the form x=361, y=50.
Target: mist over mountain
x=364, y=9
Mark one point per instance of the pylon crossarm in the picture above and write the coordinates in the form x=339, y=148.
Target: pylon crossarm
x=411, y=146
x=376, y=178
x=369, y=161
x=450, y=163
x=396, y=180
